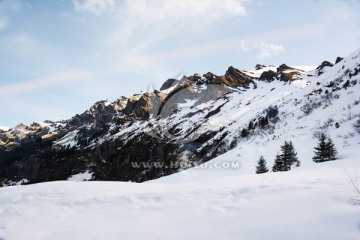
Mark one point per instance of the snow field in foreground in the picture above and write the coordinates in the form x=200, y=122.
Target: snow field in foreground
x=303, y=204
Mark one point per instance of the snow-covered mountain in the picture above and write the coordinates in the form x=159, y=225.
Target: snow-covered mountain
x=220, y=124
x=190, y=121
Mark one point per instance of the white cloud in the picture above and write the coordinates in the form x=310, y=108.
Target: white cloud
x=163, y=9
x=94, y=6
x=44, y=82
x=244, y=44
x=268, y=50
x=138, y=23
x=150, y=10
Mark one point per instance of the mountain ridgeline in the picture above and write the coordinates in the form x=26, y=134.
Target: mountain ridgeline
x=187, y=122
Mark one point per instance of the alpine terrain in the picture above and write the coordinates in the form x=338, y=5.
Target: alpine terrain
x=192, y=148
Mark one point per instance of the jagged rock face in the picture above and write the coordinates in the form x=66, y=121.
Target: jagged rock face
x=232, y=78
x=139, y=106
x=209, y=76
x=131, y=104
x=195, y=77
x=21, y=133
x=235, y=77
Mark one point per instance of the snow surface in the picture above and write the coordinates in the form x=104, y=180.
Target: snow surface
x=309, y=203
x=85, y=176
x=4, y=128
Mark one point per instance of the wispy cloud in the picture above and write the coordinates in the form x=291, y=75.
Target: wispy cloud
x=266, y=43
x=162, y=9
x=94, y=6
x=34, y=84
x=267, y=50
x=138, y=24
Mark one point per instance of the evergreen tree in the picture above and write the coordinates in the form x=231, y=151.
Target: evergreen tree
x=325, y=150
x=331, y=151
x=278, y=164
x=289, y=155
x=293, y=155
x=287, y=158
x=320, y=149
x=261, y=167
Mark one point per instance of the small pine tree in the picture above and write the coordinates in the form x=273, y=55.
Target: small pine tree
x=293, y=155
x=320, y=149
x=331, y=151
x=261, y=167
x=278, y=164
x=287, y=158
x=289, y=155
x=325, y=150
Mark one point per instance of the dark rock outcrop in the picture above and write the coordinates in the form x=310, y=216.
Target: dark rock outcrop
x=232, y=78
x=338, y=59
x=322, y=66
x=286, y=73
x=259, y=66
x=168, y=83
x=283, y=67
x=268, y=75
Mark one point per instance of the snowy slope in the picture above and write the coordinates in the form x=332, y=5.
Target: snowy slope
x=309, y=203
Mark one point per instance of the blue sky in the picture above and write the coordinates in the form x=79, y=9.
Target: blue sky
x=59, y=57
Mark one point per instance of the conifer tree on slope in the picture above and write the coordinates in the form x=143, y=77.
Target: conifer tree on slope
x=325, y=150
x=320, y=149
x=287, y=158
x=289, y=155
x=261, y=167
x=331, y=150
x=278, y=164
